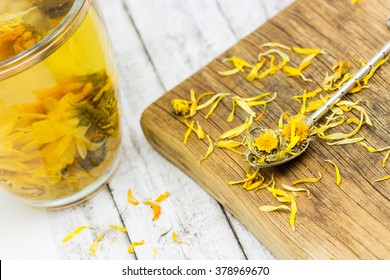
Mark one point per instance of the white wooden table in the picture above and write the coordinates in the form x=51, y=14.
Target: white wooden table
x=157, y=45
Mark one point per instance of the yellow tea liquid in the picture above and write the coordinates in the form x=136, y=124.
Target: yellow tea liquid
x=59, y=120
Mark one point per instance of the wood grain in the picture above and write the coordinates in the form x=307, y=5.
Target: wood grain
x=347, y=222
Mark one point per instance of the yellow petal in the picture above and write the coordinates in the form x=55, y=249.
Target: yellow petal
x=256, y=185
x=338, y=135
x=299, y=50
x=285, y=59
x=383, y=178
x=385, y=159
x=130, y=198
x=294, y=189
x=161, y=197
x=338, y=176
x=308, y=180
x=188, y=132
x=214, y=106
x=270, y=208
x=236, y=131
x=261, y=102
x=156, y=210
x=119, y=228
x=231, y=115
x=133, y=245
x=210, y=148
x=309, y=94
x=155, y=251
x=293, y=213
x=75, y=232
x=253, y=74
x=94, y=244
x=229, y=72
x=241, y=103
x=194, y=104
x=211, y=100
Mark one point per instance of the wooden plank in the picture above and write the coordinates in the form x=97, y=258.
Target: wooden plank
x=91, y=213
x=347, y=222
x=192, y=214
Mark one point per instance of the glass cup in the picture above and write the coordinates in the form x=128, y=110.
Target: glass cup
x=59, y=117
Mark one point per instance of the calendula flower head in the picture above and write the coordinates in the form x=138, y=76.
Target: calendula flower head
x=266, y=141
x=301, y=129
x=17, y=39
x=181, y=106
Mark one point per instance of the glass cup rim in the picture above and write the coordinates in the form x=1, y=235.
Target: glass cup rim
x=47, y=45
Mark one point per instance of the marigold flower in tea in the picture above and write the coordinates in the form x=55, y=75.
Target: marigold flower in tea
x=308, y=180
x=16, y=39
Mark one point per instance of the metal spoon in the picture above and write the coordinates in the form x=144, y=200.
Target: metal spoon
x=312, y=119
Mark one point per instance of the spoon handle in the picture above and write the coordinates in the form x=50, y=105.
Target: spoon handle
x=312, y=119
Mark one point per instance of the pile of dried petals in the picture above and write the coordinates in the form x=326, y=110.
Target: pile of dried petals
x=274, y=145
x=275, y=52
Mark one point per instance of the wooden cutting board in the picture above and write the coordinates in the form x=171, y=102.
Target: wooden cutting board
x=351, y=221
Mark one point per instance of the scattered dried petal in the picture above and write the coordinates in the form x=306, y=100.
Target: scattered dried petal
x=133, y=245
x=293, y=214
x=293, y=189
x=338, y=176
x=161, y=197
x=75, y=232
x=383, y=178
x=236, y=131
x=230, y=145
x=188, y=132
x=270, y=208
x=94, y=244
x=374, y=150
x=199, y=131
x=308, y=180
x=210, y=148
x=385, y=159
x=130, y=197
x=346, y=141
x=156, y=210
x=119, y=228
